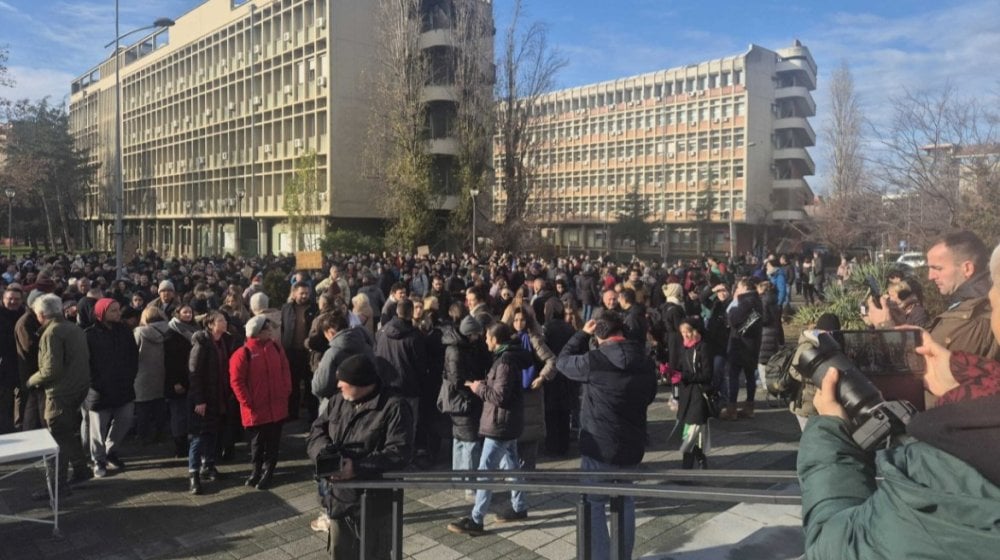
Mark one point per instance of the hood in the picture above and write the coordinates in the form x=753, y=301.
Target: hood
x=398, y=328
x=517, y=357
x=186, y=330
x=624, y=354
x=352, y=341
x=451, y=337
x=155, y=333
x=963, y=429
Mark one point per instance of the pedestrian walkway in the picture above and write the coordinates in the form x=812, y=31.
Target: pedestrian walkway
x=146, y=513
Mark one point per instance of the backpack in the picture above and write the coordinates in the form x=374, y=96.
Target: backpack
x=777, y=377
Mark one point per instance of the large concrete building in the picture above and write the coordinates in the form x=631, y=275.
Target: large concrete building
x=219, y=109
x=717, y=151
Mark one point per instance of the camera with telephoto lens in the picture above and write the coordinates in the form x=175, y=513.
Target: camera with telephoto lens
x=329, y=461
x=874, y=420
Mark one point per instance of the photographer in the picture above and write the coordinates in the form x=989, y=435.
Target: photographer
x=939, y=497
x=371, y=428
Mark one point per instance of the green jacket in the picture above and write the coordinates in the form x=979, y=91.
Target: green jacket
x=63, y=366
x=930, y=504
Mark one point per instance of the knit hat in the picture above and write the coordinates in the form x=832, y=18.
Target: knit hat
x=673, y=292
x=828, y=322
x=69, y=304
x=358, y=370
x=258, y=302
x=255, y=325
x=470, y=326
x=101, y=307
x=166, y=286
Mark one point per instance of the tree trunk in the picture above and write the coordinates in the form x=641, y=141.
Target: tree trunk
x=63, y=223
x=51, y=240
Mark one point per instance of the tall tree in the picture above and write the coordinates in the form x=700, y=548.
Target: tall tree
x=850, y=214
x=301, y=199
x=526, y=70
x=396, y=157
x=940, y=161
x=475, y=116
x=45, y=167
x=631, y=222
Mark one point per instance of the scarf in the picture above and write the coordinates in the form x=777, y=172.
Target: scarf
x=186, y=330
x=529, y=373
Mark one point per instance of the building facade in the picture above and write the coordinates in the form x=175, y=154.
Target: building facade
x=218, y=112
x=717, y=150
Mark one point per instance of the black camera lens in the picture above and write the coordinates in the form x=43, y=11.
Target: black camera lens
x=855, y=392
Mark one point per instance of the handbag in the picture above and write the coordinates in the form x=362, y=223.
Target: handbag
x=751, y=320
x=451, y=400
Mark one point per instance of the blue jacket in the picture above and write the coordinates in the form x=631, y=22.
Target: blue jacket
x=781, y=285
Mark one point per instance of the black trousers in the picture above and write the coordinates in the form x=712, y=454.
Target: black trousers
x=29, y=405
x=557, y=431
x=264, y=442
x=64, y=425
x=298, y=363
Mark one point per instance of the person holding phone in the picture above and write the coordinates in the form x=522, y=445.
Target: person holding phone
x=940, y=492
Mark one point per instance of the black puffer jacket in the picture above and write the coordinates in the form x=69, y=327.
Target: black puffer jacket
x=745, y=348
x=695, y=364
x=9, y=376
x=464, y=361
x=502, y=395
x=209, y=381
x=402, y=357
x=376, y=433
x=114, y=363
x=619, y=383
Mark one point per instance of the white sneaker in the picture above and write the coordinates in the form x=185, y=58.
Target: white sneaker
x=100, y=470
x=321, y=524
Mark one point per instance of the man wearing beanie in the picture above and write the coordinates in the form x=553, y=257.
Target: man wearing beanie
x=372, y=429
x=114, y=364
x=167, y=302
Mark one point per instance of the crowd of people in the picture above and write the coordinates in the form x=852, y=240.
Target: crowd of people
x=385, y=357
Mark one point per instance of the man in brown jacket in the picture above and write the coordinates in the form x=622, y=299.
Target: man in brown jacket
x=957, y=264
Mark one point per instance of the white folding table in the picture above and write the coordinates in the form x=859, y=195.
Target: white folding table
x=39, y=446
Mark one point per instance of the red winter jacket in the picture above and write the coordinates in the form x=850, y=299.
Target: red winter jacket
x=261, y=381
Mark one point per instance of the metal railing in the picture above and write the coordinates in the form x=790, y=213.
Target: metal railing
x=616, y=485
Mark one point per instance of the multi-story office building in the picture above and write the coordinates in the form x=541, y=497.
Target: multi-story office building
x=717, y=151
x=218, y=110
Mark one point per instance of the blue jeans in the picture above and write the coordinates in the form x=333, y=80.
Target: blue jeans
x=465, y=455
x=600, y=537
x=720, y=374
x=201, y=451
x=497, y=454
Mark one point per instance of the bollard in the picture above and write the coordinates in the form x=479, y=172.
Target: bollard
x=583, y=514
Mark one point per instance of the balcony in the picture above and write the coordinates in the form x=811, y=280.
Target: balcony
x=443, y=146
x=438, y=93
x=797, y=153
x=788, y=215
x=798, y=123
x=790, y=184
x=436, y=38
x=797, y=65
x=797, y=92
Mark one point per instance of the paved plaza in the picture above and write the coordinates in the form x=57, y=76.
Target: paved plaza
x=145, y=511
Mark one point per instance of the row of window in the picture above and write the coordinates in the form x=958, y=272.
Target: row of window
x=670, y=87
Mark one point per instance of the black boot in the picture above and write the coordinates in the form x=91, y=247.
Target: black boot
x=195, y=479
x=687, y=462
x=210, y=473
x=254, y=477
x=699, y=456
x=265, y=479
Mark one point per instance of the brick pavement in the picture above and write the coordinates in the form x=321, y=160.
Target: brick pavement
x=146, y=513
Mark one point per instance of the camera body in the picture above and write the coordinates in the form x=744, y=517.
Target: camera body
x=874, y=419
x=329, y=461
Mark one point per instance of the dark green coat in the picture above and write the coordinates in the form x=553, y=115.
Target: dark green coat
x=930, y=504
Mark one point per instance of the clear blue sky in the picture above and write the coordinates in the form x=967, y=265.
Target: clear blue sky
x=889, y=44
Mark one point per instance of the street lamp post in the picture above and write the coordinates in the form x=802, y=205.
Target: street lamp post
x=240, y=193
x=119, y=178
x=475, y=193
x=9, y=192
